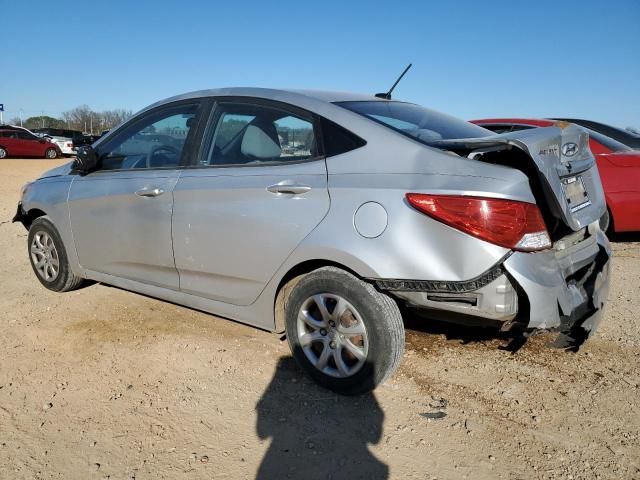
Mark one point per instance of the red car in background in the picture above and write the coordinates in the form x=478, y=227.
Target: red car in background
x=16, y=142
x=619, y=168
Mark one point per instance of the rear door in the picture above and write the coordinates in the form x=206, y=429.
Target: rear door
x=259, y=189
x=121, y=213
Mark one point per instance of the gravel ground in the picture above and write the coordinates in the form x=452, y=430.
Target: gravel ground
x=104, y=383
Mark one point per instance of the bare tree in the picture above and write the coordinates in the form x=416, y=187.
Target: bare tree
x=84, y=119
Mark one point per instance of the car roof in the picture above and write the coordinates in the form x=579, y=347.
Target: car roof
x=286, y=95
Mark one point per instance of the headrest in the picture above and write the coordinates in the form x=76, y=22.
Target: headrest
x=257, y=144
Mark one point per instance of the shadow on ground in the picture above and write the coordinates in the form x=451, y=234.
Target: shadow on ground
x=465, y=333
x=316, y=434
x=627, y=237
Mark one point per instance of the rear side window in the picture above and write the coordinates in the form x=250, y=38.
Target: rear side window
x=254, y=135
x=339, y=140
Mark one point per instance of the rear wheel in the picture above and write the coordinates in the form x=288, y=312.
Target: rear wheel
x=348, y=336
x=49, y=258
x=3, y=153
x=51, y=153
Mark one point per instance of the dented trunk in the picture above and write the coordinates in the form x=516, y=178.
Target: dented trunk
x=560, y=166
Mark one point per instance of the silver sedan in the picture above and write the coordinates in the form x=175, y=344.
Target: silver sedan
x=320, y=214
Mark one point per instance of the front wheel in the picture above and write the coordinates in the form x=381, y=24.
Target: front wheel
x=3, y=153
x=49, y=258
x=51, y=153
x=347, y=335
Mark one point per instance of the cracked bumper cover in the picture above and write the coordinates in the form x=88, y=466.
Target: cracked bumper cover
x=566, y=288
x=562, y=289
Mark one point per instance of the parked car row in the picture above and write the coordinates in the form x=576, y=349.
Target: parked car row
x=41, y=142
x=67, y=140
x=20, y=142
x=325, y=215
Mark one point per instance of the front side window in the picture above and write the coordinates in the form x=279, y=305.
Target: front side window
x=248, y=134
x=415, y=121
x=155, y=141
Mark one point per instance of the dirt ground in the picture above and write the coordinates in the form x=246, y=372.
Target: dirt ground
x=104, y=383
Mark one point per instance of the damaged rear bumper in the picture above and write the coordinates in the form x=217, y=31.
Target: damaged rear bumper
x=562, y=289
x=566, y=287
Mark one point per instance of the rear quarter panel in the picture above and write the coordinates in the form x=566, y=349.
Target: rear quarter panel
x=413, y=245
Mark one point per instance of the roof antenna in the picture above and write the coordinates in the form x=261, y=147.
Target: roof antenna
x=387, y=96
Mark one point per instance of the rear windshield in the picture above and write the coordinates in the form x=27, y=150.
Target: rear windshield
x=417, y=122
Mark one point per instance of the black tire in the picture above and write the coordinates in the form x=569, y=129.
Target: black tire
x=51, y=153
x=65, y=280
x=3, y=153
x=380, y=316
x=605, y=221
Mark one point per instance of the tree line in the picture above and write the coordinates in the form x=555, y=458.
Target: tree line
x=81, y=118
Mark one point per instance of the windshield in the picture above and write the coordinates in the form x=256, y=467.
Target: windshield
x=417, y=122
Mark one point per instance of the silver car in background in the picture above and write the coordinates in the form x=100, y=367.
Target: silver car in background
x=321, y=213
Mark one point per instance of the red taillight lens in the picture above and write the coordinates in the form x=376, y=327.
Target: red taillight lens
x=508, y=223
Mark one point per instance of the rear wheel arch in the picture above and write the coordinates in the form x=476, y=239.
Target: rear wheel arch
x=610, y=208
x=292, y=277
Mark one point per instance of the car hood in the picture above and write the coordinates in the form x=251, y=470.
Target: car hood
x=58, y=171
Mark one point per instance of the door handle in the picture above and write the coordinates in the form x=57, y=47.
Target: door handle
x=149, y=192
x=291, y=189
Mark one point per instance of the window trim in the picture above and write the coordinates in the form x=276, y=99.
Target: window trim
x=214, y=116
x=195, y=133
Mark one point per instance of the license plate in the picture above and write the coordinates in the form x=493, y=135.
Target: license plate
x=575, y=192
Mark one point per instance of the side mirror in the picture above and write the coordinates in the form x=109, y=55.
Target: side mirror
x=86, y=160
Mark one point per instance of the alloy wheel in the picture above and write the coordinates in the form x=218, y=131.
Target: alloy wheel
x=332, y=335
x=45, y=256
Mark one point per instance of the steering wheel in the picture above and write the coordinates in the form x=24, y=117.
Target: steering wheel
x=159, y=148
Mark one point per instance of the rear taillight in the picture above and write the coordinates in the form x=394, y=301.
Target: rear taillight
x=508, y=223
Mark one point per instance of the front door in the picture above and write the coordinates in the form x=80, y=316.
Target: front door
x=259, y=190
x=121, y=213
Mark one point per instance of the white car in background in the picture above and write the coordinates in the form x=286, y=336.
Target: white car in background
x=61, y=137
x=65, y=144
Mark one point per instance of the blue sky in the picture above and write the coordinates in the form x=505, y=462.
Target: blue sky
x=472, y=59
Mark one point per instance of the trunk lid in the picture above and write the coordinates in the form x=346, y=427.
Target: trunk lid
x=563, y=161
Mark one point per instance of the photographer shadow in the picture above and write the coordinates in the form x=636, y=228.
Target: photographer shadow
x=315, y=433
